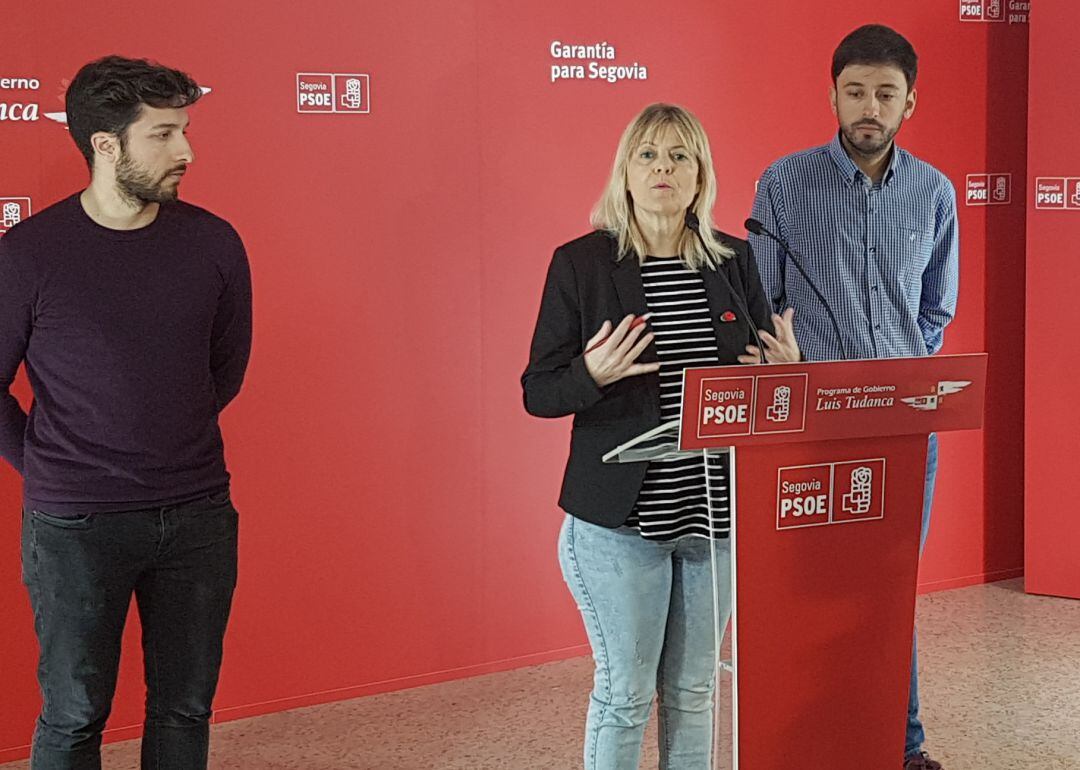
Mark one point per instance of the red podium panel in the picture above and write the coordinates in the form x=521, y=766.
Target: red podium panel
x=743, y=405
x=830, y=465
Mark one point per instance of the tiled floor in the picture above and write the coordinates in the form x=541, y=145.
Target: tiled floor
x=1000, y=688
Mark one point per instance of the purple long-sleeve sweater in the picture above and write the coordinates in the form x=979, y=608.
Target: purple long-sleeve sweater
x=134, y=341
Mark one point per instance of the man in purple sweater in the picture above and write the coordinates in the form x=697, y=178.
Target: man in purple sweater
x=132, y=313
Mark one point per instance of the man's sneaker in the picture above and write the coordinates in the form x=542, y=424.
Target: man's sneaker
x=921, y=761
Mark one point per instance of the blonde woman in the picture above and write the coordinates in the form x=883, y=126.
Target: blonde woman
x=635, y=545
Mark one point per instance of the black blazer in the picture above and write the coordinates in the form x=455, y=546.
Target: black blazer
x=586, y=285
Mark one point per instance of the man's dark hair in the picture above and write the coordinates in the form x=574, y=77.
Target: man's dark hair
x=876, y=44
x=108, y=95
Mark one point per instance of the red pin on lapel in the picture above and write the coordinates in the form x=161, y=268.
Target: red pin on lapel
x=727, y=317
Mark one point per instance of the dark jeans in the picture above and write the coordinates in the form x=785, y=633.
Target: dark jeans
x=180, y=562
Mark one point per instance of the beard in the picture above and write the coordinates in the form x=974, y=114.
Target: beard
x=869, y=146
x=139, y=185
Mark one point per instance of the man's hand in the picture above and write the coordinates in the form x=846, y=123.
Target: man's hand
x=781, y=349
x=613, y=353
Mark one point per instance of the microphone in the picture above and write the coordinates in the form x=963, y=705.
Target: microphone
x=757, y=228
x=695, y=224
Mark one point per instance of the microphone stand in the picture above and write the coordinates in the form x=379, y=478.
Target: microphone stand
x=694, y=224
x=757, y=228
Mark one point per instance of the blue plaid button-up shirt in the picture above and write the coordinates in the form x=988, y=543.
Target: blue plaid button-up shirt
x=885, y=256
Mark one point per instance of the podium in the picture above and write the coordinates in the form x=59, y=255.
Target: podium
x=828, y=465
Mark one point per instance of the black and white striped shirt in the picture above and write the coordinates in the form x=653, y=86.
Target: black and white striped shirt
x=672, y=500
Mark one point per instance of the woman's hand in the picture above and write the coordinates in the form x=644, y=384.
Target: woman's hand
x=781, y=349
x=612, y=353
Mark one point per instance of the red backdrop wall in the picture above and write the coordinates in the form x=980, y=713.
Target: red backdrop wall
x=1052, y=425
x=398, y=507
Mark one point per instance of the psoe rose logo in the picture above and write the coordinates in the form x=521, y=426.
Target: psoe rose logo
x=780, y=409
x=13, y=211
x=859, y=488
x=780, y=406
x=333, y=92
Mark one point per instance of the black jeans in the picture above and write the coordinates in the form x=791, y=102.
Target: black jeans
x=180, y=562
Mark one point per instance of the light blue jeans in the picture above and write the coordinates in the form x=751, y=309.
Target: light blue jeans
x=914, y=737
x=649, y=613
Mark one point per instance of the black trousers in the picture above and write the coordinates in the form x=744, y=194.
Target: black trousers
x=180, y=562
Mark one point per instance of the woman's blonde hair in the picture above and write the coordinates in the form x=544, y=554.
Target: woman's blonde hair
x=614, y=212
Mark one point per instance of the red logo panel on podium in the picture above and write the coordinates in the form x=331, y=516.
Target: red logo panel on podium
x=859, y=491
x=830, y=493
x=802, y=497
x=822, y=441
x=781, y=404
x=725, y=407
x=830, y=400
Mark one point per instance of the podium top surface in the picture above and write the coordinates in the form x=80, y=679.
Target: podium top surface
x=829, y=400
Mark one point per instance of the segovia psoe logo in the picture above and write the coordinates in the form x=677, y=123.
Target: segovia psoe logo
x=1057, y=192
x=830, y=493
x=333, y=93
x=726, y=405
x=982, y=10
x=1013, y=11
x=13, y=211
x=744, y=406
x=932, y=401
x=988, y=189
